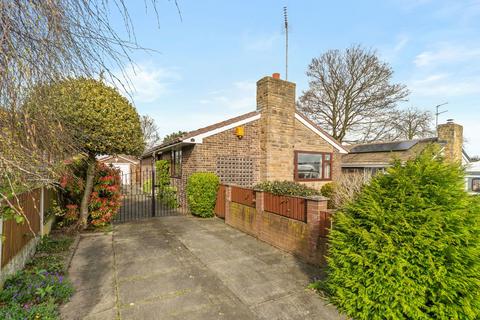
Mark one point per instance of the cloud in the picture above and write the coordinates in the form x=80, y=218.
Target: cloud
x=445, y=85
x=240, y=96
x=392, y=51
x=147, y=82
x=446, y=53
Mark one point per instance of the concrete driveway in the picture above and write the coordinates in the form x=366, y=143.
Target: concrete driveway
x=188, y=268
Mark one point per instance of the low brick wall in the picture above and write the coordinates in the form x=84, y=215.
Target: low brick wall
x=303, y=239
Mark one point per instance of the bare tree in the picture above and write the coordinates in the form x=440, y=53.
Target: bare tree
x=43, y=42
x=150, y=131
x=351, y=94
x=413, y=123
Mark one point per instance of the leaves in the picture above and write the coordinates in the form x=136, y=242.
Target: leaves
x=202, y=193
x=408, y=246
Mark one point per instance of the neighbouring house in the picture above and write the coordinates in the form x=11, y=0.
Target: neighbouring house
x=472, y=177
x=128, y=166
x=273, y=142
x=374, y=157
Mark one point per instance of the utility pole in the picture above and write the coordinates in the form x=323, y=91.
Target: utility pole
x=285, y=16
x=437, y=113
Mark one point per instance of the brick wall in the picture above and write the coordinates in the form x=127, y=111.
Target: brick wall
x=302, y=239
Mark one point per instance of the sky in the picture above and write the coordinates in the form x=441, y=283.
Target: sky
x=205, y=61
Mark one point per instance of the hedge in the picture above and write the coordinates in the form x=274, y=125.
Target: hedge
x=287, y=188
x=202, y=193
x=408, y=247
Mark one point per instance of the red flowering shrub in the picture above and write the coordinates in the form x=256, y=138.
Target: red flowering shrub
x=105, y=198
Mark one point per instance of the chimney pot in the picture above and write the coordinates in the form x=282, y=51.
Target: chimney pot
x=276, y=75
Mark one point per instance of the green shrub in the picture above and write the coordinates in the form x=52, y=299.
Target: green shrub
x=162, y=170
x=54, y=245
x=328, y=190
x=147, y=186
x=287, y=188
x=49, y=263
x=202, y=193
x=15, y=311
x=408, y=246
x=167, y=194
x=36, y=287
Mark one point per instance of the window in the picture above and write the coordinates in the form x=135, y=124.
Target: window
x=476, y=184
x=176, y=163
x=313, y=166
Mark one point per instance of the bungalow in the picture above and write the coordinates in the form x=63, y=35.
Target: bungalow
x=373, y=157
x=273, y=142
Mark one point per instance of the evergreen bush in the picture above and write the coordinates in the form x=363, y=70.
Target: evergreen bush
x=202, y=193
x=167, y=194
x=287, y=188
x=408, y=247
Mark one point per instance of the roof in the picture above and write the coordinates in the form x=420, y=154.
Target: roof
x=196, y=136
x=191, y=134
x=381, y=154
x=125, y=157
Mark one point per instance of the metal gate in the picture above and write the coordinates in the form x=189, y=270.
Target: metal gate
x=143, y=198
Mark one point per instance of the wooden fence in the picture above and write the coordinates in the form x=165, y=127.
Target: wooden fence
x=243, y=196
x=221, y=201
x=287, y=206
x=17, y=235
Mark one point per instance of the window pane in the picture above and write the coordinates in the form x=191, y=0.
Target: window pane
x=309, y=166
x=327, y=170
x=327, y=157
x=476, y=185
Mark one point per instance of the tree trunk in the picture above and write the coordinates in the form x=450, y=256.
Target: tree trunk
x=82, y=222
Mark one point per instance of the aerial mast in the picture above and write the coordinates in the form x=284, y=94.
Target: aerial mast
x=285, y=16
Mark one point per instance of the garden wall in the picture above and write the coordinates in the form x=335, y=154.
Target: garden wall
x=304, y=236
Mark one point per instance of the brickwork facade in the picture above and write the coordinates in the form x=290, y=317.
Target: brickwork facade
x=276, y=103
x=266, y=152
x=452, y=134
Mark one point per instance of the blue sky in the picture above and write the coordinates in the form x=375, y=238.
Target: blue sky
x=206, y=65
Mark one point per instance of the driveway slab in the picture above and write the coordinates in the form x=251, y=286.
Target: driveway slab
x=187, y=268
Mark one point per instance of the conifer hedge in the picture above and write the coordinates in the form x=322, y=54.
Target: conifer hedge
x=408, y=247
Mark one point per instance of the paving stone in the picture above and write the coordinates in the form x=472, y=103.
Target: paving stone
x=189, y=268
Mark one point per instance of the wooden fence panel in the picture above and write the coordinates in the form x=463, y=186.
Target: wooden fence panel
x=17, y=235
x=325, y=223
x=290, y=207
x=221, y=201
x=243, y=196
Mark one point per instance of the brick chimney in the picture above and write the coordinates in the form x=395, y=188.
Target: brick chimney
x=452, y=135
x=276, y=103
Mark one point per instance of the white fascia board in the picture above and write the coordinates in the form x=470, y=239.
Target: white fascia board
x=321, y=134
x=199, y=138
x=366, y=165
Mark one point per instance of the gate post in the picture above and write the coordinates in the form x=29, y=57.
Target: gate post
x=153, y=185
